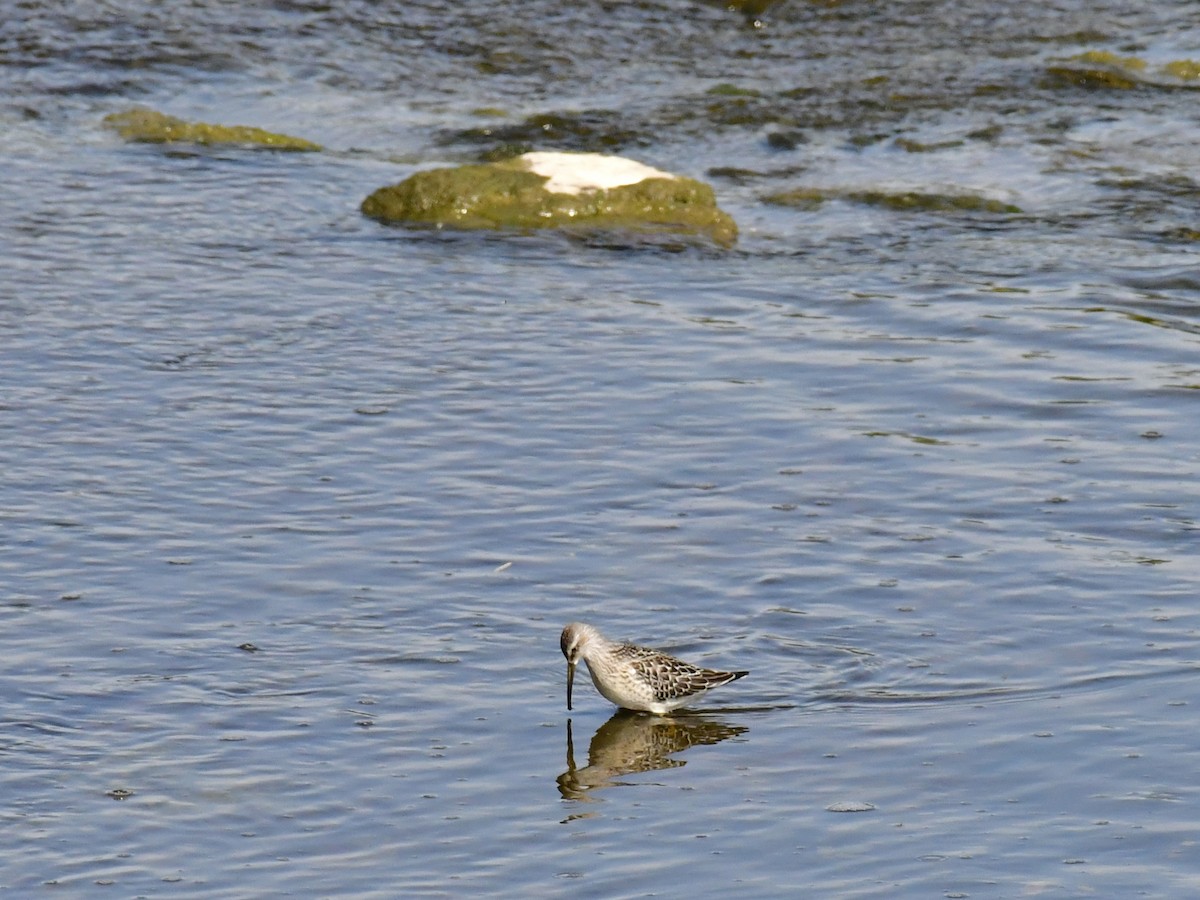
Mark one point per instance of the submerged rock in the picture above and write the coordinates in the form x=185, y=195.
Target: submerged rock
x=1183, y=69
x=1100, y=69
x=587, y=131
x=900, y=201
x=579, y=191
x=1092, y=77
x=150, y=126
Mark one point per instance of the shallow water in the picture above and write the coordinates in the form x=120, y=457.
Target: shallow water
x=295, y=505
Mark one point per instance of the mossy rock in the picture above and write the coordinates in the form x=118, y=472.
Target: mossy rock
x=1184, y=69
x=921, y=201
x=1113, y=60
x=801, y=198
x=1104, y=70
x=899, y=201
x=594, y=130
x=1094, y=78
x=512, y=195
x=150, y=126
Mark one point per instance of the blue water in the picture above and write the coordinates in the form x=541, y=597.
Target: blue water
x=294, y=505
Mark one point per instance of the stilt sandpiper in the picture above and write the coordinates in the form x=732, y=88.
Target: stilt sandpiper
x=636, y=677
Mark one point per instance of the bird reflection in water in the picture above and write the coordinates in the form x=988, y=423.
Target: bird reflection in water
x=632, y=742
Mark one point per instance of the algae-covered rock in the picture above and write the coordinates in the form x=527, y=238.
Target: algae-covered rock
x=1105, y=70
x=899, y=201
x=150, y=126
x=578, y=191
x=1091, y=77
x=1183, y=69
x=1108, y=58
x=587, y=131
x=1098, y=69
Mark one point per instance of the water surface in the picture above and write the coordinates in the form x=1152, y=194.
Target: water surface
x=294, y=505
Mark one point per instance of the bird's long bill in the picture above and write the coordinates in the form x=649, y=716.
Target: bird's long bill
x=570, y=681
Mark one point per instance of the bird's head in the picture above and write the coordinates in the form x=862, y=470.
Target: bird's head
x=574, y=638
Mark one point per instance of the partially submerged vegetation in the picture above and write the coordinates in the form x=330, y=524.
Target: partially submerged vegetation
x=900, y=201
x=150, y=126
x=1102, y=69
x=597, y=130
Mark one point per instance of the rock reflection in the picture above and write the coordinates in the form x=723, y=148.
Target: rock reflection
x=632, y=742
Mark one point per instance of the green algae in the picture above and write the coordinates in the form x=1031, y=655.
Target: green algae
x=1101, y=69
x=1185, y=69
x=150, y=126
x=1098, y=70
x=919, y=201
x=1107, y=58
x=1107, y=79
x=901, y=201
x=801, y=198
x=507, y=195
x=596, y=130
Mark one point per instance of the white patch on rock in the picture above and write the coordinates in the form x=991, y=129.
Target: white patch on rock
x=572, y=173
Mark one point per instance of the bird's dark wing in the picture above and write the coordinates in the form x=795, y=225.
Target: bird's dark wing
x=669, y=677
